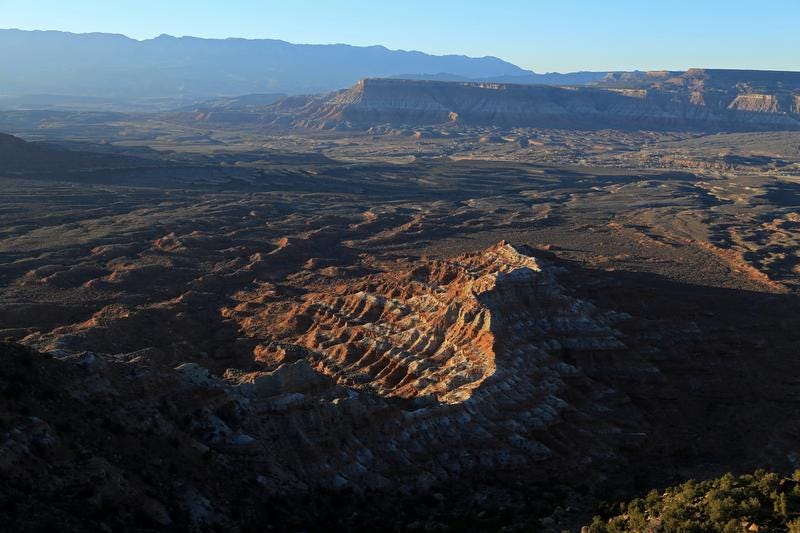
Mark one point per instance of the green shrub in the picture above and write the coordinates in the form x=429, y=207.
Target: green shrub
x=762, y=500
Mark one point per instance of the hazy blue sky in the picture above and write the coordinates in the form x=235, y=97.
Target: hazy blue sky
x=560, y=35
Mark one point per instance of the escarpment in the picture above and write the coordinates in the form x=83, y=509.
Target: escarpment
x=698, y=99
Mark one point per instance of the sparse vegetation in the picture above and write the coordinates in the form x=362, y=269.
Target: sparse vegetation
x=758, y=502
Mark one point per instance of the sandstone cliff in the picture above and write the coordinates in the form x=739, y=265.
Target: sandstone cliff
x=694, y=100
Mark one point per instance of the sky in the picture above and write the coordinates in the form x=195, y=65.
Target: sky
x=544, y=36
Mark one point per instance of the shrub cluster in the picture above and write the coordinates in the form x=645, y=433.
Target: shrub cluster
x=762, y=502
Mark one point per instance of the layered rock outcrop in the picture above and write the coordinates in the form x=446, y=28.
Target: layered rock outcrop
x=698, y=99
x=450, y=367
x=411, y=379
x=444, y=329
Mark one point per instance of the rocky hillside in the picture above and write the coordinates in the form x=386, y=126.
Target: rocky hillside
x=759, y=502
x=38, y=159
x=468, y=388
x=245, y=358
x=17, y=155
x=705, y=100
x=396, y=383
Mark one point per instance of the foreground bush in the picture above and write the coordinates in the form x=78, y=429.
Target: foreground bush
x=758, y=502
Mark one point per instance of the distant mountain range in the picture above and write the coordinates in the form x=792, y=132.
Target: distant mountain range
x=114, y=67
x=278, y=84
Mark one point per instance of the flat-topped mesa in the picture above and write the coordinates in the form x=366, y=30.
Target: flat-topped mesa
x=375, y=101
x=439, y=329
x=728, y=80
x=698, y=99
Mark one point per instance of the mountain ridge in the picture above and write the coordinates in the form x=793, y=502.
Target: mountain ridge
x=114, y=65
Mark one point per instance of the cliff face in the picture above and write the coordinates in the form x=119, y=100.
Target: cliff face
x=697, y=100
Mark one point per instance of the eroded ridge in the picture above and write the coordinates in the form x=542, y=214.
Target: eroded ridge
x=374, y=377
x=464, y=353
x=436, y=330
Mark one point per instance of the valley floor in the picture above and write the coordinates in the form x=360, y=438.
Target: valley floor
x=239, y=339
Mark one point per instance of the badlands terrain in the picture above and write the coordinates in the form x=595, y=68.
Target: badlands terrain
x=330, y=313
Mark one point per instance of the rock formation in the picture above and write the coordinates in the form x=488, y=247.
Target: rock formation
x=705, y=100
x=401, y=381
x=460, y=354
x=441, y=330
